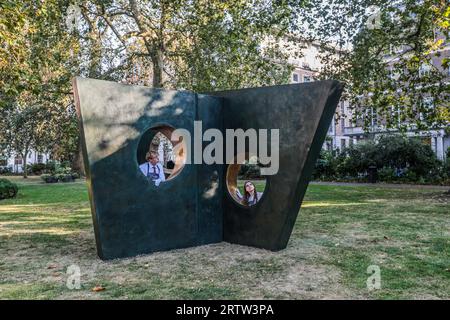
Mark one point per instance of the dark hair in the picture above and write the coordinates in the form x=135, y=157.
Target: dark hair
x=247, y=195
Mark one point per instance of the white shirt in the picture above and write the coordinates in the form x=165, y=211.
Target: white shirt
x=148, y=170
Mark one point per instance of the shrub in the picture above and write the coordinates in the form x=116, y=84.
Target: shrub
x=6, y=170
x=48, y=178
x=61, y=174
x=397, y=151
x=325, y=166
x=387, y=174
x=60, y=177
x=249, y=171
x=50, y=167
x=75, y=175
x=63, y=170
x=38, y=168
x=398, y=158
x=7, y=189
x=65, y=178
x=445, y=171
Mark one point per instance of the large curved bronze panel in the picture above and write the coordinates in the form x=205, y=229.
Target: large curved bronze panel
x=303, y=114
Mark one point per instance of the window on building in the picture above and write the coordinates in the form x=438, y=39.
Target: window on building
x=18, y=160
x=350, y=142
x=3, y=162
x=428, y=106
x=395, y=49
x=40, y=158
x=295, y=77
x=342, y=124
x=342, y=143
x=307, y=79
x=374, y=117
x=428, y=103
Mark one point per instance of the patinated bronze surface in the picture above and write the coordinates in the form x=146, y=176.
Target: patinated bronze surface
x=132, y=216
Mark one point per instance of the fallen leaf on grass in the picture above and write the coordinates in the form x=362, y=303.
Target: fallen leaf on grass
x=98, y=288
x=52, y=266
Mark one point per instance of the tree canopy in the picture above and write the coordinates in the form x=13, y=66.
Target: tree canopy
x=198, y=45
x=392, y=55
x=37, y=60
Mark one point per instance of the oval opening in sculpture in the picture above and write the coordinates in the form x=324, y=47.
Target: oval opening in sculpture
x=245, y=183
x=170, y=155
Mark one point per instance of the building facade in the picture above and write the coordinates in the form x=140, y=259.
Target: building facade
x=344, y=130
x=438, y=139
x=306, y=69
x=15, y=163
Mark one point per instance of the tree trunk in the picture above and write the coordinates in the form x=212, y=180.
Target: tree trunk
x=25, y=170
x=154, y=47
x=157, y=62
x=77, y=162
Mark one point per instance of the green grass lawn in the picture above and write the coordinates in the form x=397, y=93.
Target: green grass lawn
x=340, y=232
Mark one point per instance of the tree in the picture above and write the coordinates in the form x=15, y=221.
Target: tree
x=23, y=130
x=37, y=56
x=386, y=53
x=37, y=60
x=199, y=45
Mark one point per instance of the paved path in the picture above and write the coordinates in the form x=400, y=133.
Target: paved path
x=381, y=185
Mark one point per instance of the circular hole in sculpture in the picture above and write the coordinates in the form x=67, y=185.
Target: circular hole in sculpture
x=160, y=158
x=245, y=183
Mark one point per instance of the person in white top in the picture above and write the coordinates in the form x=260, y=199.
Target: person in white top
x=152, y=169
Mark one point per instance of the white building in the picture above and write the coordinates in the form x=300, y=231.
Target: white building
x=16, y=163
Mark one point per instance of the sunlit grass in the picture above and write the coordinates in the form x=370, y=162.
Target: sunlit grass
x=307, y=204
